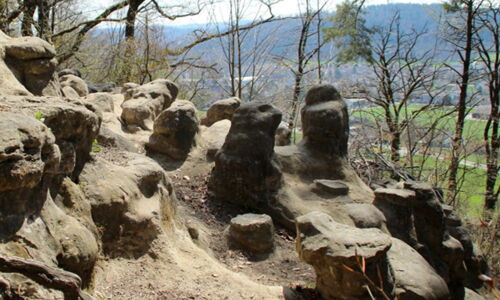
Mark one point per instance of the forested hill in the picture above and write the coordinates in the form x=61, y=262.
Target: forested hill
x=412, y=16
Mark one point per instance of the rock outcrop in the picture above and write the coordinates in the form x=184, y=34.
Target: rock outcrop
x=415, y=215
x=221, y=110
x=175, y=130
x=27, y=65
x=130, y=208
x=343, y=256
x=283, y=135
x=76, y=83
x=214, y=136
x=103, y=101
x=147, y=102
x=245, y=171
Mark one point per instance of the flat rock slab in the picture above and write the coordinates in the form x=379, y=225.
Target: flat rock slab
x=331, y=187
x=402, y=197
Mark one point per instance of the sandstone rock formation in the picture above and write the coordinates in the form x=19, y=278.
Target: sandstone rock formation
x=252, y=232
x=245, y=172
x=130, y=208
x=103, y=101
x=175, y=130
x=339, y=253
x=147, y=102
x=27, y=65
x=214, y=137
x=283, y=135
x=220, y=110
x=76, y=83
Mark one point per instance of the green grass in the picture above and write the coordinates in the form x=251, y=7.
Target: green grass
x=473, y=129
x=471, y=195
x=202, y=113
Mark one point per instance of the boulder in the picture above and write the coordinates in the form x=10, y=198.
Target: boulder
x=325, y=121
x=214, y=137
x=75, y=83
x=103, y=101
x=245, y=172
x=147, y=102
x=70, y=93
x=283, y=135
x=73, y=72
x=175, y=130
x=252, y=232
x=28, y=62
x=414, y=277
x=336, y=251
x=128, y=89
x=130, y=208
x=107, y=87
x=220, y=110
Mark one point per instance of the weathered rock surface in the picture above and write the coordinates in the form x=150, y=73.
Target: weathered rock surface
x=28, y=156
x=365, y=215
x=415, y=215
x=331, y=187
x=283, y=135
x=103, y=101
x=74, y=124
x=131, y=206
x=112, y=139
x=220, y=110
x=74, y=72
x=414, y=278
x=100, y=87
x=325, y=121
x=252, y=232
x=214, y=137
x=128, y=89
x=27, y=64
x=76, y=83
x=245, y=172
x=147, y=102
x=330, y=247
x=175, y=130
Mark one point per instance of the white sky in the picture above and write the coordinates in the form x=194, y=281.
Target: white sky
x=219, y=10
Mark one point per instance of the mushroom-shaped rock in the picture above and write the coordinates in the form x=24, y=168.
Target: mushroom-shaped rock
x=214, y=137
x=220, y=110
x=147, y=102
x=283, y=135
x=78, y=84
x=28, y=62
x=325, y=121
x=103, y=101
x=337, y=251
x=175, y=130
x=414, y=277
x=252, y=232
x=245, y=172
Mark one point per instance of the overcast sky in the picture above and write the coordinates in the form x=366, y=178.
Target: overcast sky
x=219, y=10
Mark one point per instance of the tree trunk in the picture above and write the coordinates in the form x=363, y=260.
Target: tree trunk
x=459, y=128
x=133, y=9
x=28, y=13
x=43, y=19
x=492, y=144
